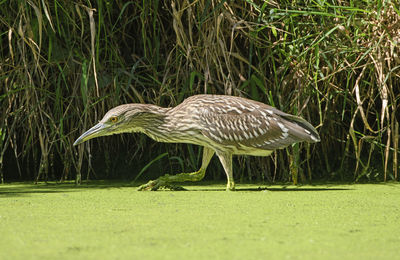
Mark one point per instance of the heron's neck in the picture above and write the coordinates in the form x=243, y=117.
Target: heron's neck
x=166, y=126
x=153, y=122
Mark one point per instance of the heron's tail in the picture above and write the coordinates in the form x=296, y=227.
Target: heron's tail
x=302, y=129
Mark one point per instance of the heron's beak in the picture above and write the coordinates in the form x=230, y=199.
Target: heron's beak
x=95, y=131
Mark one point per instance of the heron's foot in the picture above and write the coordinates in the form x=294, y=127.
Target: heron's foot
x=155, y=185
x=151, y=185
x=230, y=186
x=159, y=184
x=166, y=180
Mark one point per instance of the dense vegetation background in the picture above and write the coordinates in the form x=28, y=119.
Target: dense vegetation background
x=63, y=64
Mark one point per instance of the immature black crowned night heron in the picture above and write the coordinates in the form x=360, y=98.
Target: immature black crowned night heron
x=224, y=125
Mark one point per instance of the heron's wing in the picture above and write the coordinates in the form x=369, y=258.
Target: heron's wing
x=256, y=129
x=255, y=125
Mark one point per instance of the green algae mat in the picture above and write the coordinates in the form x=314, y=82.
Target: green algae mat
x=114, y=221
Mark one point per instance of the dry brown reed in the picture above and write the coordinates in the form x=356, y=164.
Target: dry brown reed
x=63, y=64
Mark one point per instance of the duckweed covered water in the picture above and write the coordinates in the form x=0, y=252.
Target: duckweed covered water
x=112, y=221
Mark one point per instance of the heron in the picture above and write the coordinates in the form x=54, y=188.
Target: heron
x=224, y=125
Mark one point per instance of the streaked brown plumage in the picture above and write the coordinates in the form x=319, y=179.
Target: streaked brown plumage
x=224, y=125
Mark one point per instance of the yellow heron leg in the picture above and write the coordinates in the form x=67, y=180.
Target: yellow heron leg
x=167, y=180
x=226, y=161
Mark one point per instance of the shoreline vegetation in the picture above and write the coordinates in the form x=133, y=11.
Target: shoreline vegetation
x=63, y=64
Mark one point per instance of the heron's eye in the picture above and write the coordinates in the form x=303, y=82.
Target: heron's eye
x=113, y=119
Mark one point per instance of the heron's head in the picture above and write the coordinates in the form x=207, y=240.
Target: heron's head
x=126, y=118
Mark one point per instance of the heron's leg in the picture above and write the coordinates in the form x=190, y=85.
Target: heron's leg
x=166, y=180
x=226, y=161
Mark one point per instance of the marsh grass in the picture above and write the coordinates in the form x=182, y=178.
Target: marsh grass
x=64, y=64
